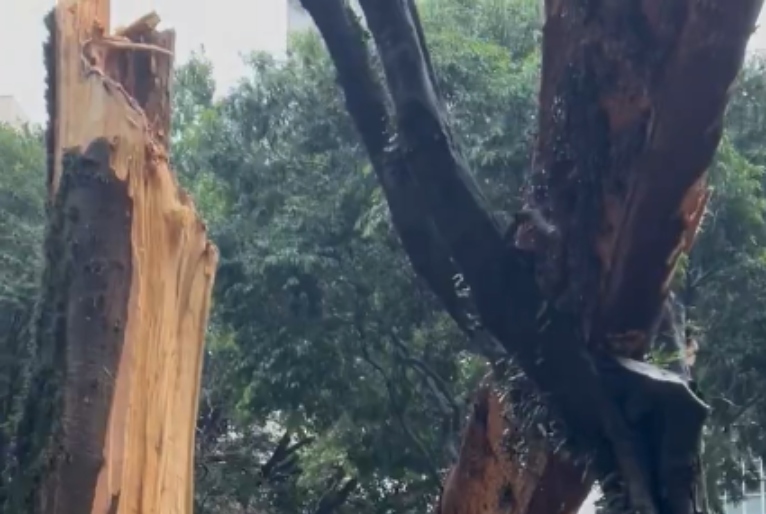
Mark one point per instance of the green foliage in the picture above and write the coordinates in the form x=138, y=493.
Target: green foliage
x=22, y=196
x=723, y=284
x=329, y=333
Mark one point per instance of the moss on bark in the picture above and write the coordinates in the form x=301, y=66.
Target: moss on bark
x=78, y=338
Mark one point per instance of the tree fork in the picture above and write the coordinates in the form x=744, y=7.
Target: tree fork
x=558, y=306
x=109, y=419
x=492, y=476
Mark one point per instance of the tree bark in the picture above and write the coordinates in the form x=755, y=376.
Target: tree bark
x=493, y=475
x=631, y=102
x=109, y=419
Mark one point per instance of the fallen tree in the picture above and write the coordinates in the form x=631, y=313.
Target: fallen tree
x=109, y=416
x=630, y=115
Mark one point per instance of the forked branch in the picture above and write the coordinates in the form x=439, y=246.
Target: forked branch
x=620, y=80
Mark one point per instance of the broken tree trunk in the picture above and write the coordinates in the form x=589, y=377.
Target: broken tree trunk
x=109, y=420
x=631, y=102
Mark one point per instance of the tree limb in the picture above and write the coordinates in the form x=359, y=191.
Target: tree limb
x=686, y=126
x=433, y=162
x=435, y=382
x=366, y=100
x=282, y=453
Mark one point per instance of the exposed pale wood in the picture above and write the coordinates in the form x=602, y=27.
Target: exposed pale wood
x=144, y=24
x=489, y=478
x=75, y=20
x=152, y=398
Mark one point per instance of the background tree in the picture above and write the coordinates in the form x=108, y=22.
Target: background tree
x=22, y=217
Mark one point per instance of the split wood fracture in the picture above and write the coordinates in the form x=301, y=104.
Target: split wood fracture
x=491, y=477
x=110, y=416
x=631, y=104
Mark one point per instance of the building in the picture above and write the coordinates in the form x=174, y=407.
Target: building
x=11, y=112
x=753, y=494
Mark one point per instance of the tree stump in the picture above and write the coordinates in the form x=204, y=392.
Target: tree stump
x=109, y=419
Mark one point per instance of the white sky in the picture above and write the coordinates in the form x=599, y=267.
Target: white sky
x=226, y=28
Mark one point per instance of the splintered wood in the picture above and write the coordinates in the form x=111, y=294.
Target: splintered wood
x=489, y=479
x=114, y=89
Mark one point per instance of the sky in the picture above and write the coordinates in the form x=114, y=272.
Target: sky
x=226, y=29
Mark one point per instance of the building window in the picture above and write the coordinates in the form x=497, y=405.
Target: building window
x=754, y=496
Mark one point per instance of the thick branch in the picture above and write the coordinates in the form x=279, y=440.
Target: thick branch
x=667, y=189
x=284, y=455
x=631, y=107
x=433, y=162
x=490, y=474
x=366, y=100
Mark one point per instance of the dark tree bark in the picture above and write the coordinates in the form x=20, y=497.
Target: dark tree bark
x=631, y=105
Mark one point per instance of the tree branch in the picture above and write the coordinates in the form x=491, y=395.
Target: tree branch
x=433, y=379
x=688, y=104
x=283, y=454
x=398, y=411
x=366, y=100
x=335, y=497
x=433, y=162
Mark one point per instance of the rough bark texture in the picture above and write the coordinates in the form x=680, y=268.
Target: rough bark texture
x=631, y=102
x=109, y=420
x=493, y=475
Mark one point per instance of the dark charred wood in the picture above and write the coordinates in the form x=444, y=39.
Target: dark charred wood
x=667, y=418
x=612, y=124
x=500, y=277
x=367, y=100
x=631, y=105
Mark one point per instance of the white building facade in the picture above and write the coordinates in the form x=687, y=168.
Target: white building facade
x=753, y=493
x=11, y=112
